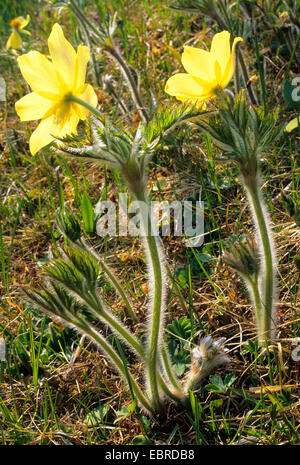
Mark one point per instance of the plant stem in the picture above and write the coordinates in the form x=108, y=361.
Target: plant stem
x=256, y=301
x=72, y=98
x=135, y=344
x=169, y=371
x=119, y=364
x=268, y=279
x=156, y=273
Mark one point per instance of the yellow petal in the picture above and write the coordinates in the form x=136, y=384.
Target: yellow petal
x=82, y=59
x=199, y=103
x=228, y=72
x=49, y=128
x=14, y=41
x=70, y=126
x=40, y=74
x=32, y=106
x=293, y=124
x=23, y=21
x=220, y=48
x=218, y=72
x=63, y=56
x=184, y=87
x=199, y=63
x=86, y=93
x=41, y=136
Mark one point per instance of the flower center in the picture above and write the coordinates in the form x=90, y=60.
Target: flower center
x=16, y=23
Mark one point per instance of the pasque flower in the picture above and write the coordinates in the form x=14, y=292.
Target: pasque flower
x=54, y=82
x=17, y=24
x=205, y=71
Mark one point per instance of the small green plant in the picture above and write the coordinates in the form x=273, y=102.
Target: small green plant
x=73, y=288
x=243, y=133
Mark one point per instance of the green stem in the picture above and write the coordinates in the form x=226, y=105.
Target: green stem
x=84, y=327
x=156, y=274
x=256, y=300
x=72, y=98
x=169, y=371
x=125, y=334
x=268, y=270
x=119, y=364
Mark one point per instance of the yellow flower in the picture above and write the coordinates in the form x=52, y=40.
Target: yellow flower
x=53, y=82
x=206, y=71
x=293, y=124
x=15, y=40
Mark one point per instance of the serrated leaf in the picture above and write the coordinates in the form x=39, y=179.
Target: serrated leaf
x=218, y=385
x=181, y=328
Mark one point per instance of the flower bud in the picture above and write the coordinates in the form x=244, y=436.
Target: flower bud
x=205, y=358
x=244, y=258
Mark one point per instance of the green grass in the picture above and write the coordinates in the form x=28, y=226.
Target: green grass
x=52, y=382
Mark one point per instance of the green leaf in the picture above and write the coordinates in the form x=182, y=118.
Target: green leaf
x=180, y=367
x=68, y=224
x=96, y=416
x=216, y=403
x=141, y=440
x=125, y=412
x=181, y=328
x=87, y=214
x=229, y=379
x=218, y=385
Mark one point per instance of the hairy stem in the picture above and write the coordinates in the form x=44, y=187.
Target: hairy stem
x=156, y=273
x=253, y=285
x=119, y=364
x=268, y=279
x=169, y=371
